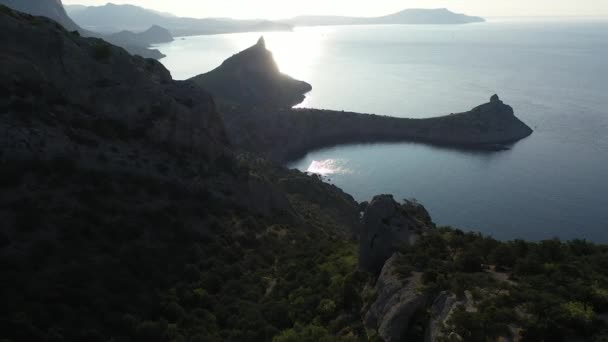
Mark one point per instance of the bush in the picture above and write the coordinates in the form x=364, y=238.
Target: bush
x=102, y=51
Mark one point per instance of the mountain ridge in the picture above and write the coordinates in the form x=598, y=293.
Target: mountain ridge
x=405, y=17
x=54, y=10
x=112, y=17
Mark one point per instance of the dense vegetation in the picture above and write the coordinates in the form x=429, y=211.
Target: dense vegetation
x=88, y=256
x=544, y=291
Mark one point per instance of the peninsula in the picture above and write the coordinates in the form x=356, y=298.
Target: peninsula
x=256, y=100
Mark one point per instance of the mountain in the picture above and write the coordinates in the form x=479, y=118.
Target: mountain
x=252, y=78
x=440, y=16
x=113, y=18
x=127, y=215
x=153, y=35
x=48, y=8
x=71, y=9
x=53, y=9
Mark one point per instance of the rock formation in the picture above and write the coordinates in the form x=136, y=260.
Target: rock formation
x=490, y=126
x=397, y=300
x=441, y=311
x=252, y=78
x=388, y=226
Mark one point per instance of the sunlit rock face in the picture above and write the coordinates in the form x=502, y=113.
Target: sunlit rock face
x=252, y=78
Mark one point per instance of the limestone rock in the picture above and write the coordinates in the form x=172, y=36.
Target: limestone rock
x=441, y=311
x=398, y=299
x=387, y=226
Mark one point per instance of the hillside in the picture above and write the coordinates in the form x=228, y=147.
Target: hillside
x=439, y=16
x=127, y=215
x=53, y=9
x=252, y=78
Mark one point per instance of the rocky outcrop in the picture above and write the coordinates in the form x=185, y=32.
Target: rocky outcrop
x=397, y=301
x=388, y=226
x=441, y=311
x=284, y=135
x=252, y=78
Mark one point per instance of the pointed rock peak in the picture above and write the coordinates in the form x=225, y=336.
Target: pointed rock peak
x=261, y=42
x=495, y=99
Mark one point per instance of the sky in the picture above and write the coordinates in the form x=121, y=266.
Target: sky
x=277, y=9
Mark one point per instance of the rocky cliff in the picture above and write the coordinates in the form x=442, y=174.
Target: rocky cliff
x=398, y=299
x=387, y=227
x=252, y=78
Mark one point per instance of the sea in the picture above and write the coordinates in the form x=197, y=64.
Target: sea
x=552, y=71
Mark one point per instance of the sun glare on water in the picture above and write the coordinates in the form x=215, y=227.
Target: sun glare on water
x=327, y=167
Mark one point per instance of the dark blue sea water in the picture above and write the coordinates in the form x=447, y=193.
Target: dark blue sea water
x=554, y=73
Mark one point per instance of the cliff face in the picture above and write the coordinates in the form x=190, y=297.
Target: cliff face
x=251, y=78
x=388, y=226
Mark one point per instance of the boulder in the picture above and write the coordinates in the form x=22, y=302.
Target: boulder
x=397, y=301
x=441, y=311
x=388, y=226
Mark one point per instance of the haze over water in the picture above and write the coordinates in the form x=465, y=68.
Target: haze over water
x=553, y=73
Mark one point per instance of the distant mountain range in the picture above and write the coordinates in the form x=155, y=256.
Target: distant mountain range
x=113, y=18
x=135, y=43
x=441, y=16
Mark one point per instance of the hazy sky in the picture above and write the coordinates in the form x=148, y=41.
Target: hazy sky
x=274, y=9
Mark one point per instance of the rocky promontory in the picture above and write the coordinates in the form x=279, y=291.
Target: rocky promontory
x=255, y=99
x=252, y=79
x=283, y=135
